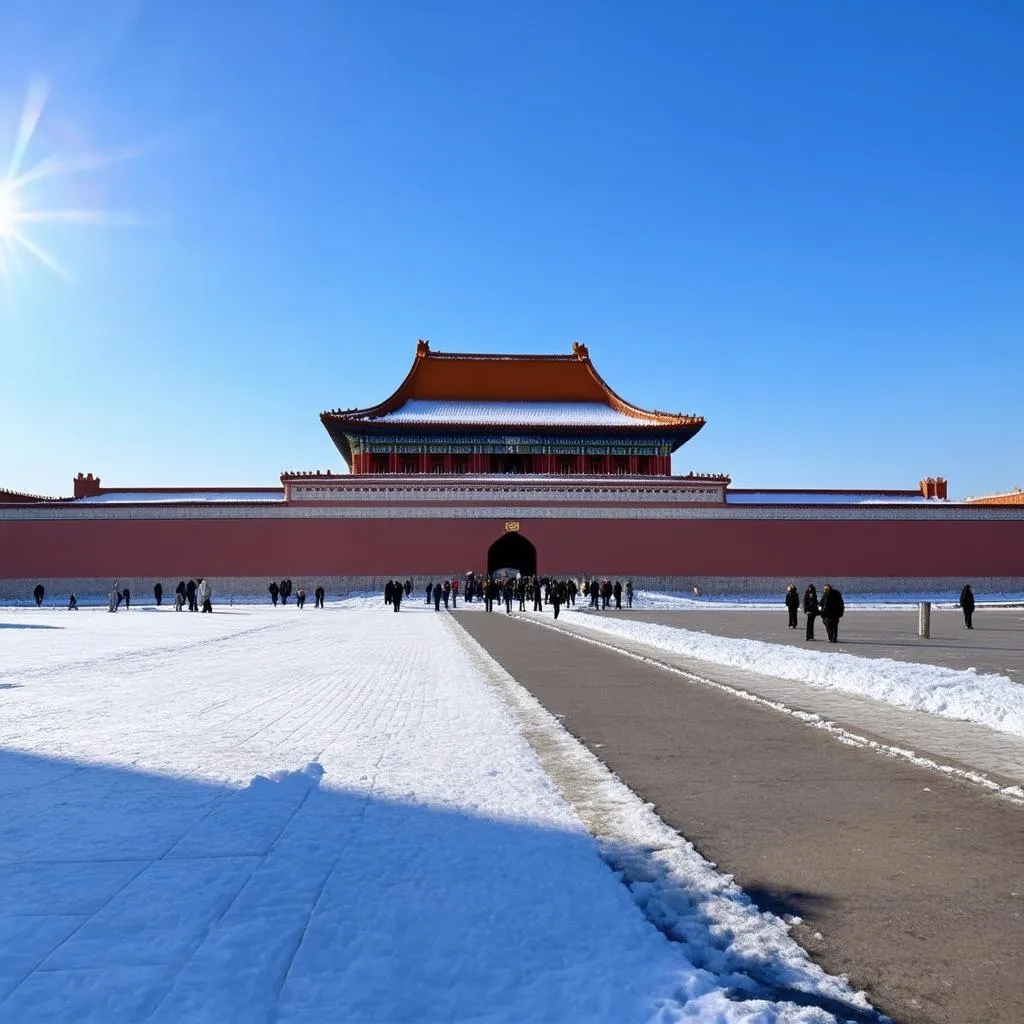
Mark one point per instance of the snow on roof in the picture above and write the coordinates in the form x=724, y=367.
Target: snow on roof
x=166, y=497
x=512, y=413
x=825, y=498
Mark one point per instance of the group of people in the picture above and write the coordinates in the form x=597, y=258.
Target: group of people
x=283, y=591
x=509, y=590
x=830, y=606
x=196, y=596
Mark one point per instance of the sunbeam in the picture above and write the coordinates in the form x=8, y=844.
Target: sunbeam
x=16, y=207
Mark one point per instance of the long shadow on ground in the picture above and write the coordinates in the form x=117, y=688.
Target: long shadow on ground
x=130, y=896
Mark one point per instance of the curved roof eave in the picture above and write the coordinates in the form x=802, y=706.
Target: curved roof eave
x=580, y=354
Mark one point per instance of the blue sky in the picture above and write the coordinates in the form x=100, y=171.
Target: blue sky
x=801, y=220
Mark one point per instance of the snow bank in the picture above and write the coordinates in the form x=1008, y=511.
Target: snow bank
x=659, y=601
x=992, y=700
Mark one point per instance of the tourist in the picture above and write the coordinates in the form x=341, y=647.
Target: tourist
x=204, y=593
x=113, y=598
x=39, y=593
x=595, y=592
x=285, y=590
x=507, y=593
x=446, y=592
x=179, y=590
x=158, y=593
x=831, y=611
x=617, y=591
x=606, y=593
x=556, y=597
x=455, y=591
x=538, y=605
x=967, y=605
x=408, y=587
x=273, y=590
x=437, y=597
x=72, y=603
x=300, y=597
x=318, y=597
x=389, y=592
x=792, y=604
x=127, y=595
x=190, y=594
x=811, y=609
x=430, y=591
x=629, y=593
x=179, y=600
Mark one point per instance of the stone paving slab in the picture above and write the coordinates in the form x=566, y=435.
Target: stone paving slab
x=909, y=882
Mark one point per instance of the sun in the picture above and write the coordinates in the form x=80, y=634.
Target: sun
x=20, y=212
x=8, y=211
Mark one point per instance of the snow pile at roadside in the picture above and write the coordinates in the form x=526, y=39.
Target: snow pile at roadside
x=992, y=700
x=168, y=859
x=653, y=600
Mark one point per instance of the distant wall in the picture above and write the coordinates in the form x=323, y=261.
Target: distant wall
x=709, y=552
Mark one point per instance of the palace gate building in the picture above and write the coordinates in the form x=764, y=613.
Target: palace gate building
x=525, y=462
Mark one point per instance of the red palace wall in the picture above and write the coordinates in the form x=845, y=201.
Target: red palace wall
x=743, y=547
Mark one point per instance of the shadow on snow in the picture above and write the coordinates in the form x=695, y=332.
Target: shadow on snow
x=135, y=896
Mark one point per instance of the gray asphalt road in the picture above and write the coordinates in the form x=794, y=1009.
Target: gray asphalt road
x=996, y=644
x=911, y=884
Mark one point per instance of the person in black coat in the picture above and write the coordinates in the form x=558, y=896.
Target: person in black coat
x=318, y=597
x=437, y=597
x=396, y=596
x=158, y=593
x=180, y=590
x=39, y=593
x=832, y=609
x=190, y=594
x=811, y=609
x=273, y=590
x=792, y=604
x=967, y=605
x=538, y=595
x=389, y=592
x=127, y=595
x=617, y=592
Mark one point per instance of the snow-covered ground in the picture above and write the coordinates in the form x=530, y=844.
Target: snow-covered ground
x=273, y=815
x=988, y=699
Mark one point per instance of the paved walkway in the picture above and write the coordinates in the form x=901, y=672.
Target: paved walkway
x=963, y=746
x=996, y=644
x=909, y=882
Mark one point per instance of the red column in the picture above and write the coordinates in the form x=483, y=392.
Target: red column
x=394, y=463
x=634, y=465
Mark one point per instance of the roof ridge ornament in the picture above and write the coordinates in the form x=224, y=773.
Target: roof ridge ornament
x=422, y=348
x=580, y=350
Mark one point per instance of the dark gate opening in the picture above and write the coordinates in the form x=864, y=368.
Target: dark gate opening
x=513, y=551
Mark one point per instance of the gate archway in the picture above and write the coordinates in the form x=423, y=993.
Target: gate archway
x=513, y=551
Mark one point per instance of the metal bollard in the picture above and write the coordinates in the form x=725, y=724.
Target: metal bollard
x=924, y=619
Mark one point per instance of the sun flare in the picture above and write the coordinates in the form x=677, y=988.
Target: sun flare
x=8, y=212
x=18, y=211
